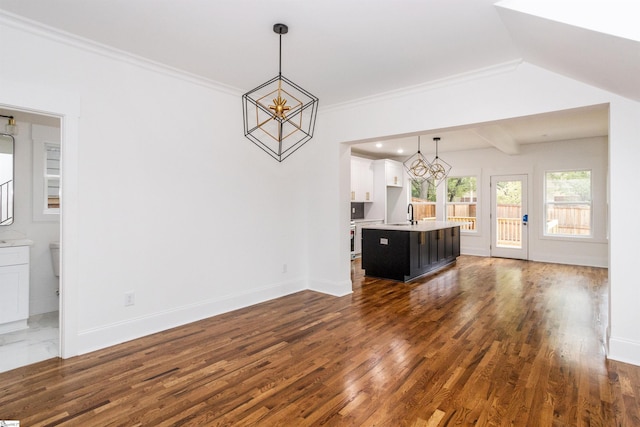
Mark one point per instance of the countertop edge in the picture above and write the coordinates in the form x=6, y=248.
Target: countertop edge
x=10, y=243
x=424, y=226
x=361, y=221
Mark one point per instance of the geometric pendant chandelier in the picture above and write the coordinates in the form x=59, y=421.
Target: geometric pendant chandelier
x=279, y=116
x=417, y=166
x=438, y=169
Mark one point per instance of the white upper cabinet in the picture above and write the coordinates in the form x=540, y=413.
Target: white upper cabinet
x=394, y=172
x=361, y=180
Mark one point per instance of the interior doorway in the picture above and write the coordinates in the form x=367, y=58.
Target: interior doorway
x=37, y=219
x=509, y=217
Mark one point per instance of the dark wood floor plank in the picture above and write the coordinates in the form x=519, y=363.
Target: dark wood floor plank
x=487, y=342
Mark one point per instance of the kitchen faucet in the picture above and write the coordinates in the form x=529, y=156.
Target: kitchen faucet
x=410, y=213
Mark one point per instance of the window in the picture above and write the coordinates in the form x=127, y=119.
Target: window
x=423, y=198
x=462, y=201
x=6, y=180
x=568, y=203
x=52, y=176
x=46, y=173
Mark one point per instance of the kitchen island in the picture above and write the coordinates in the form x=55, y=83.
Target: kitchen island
x=405, y=251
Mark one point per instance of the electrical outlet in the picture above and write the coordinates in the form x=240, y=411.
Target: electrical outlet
x=284, y=268
x=129, y=298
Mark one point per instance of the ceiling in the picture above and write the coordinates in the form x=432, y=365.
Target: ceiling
x=506, y=135
x=339, y=50
x=344, y=50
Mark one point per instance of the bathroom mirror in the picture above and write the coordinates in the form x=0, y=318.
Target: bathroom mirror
x=7, y=144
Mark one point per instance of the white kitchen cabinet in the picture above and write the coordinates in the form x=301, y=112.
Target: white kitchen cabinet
x=390, y=201
x=361, y=179
x=394, y=173
x=358, y=238
x=14, y=288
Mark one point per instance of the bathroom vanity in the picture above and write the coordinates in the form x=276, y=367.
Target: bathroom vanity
x=14, y=284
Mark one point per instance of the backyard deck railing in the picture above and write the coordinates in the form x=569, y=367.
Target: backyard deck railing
x=471, y=222
x=561, y=220
x=509, y=232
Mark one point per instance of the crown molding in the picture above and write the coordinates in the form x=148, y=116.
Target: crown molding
x=455, y=79
x=41, y=30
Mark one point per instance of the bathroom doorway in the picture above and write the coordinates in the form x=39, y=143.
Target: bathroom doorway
x=36, y=219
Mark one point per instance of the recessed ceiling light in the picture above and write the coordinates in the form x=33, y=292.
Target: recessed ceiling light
x=400, y=151
x=379, y=144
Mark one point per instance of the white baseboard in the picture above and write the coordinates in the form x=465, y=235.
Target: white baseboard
x=44, y=305
x=337, y=289
x=476, y=252
x=13, y=326
x=119, y=332
x=572, y=260
x=624, y=351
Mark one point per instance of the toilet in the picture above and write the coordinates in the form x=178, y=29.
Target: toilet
x=54, y=247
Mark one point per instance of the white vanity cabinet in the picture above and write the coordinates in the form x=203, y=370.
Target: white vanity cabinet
x=14, y=288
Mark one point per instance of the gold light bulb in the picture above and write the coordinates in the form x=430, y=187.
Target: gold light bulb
x=279, y=107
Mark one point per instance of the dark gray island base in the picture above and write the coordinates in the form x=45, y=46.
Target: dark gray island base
x=404, y=252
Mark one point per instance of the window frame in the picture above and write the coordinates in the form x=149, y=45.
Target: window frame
x=50, y=178
x=545, y=204
x=427, y=203
x=476, y=230
x=42, y=137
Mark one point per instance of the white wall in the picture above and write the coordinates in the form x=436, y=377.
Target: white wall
x=170, y=135
x=42, y=282
x=624, y=292
x=162, y=193
x=534, y=160
x=504, y=94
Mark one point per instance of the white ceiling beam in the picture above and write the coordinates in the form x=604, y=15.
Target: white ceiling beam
x=499, y=138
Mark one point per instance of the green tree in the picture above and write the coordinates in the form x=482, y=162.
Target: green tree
x=462, y=187
x=423, y=190
x=571, y=185
x=509, y=192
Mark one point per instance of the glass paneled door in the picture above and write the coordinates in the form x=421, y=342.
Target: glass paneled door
x=509, y=218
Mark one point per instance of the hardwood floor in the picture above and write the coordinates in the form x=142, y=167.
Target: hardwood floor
x=486, y=342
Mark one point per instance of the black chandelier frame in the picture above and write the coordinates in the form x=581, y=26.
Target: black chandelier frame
x=279, y=129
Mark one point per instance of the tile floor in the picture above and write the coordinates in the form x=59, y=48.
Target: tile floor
x=38, y=342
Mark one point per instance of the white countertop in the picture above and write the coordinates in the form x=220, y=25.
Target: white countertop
x=361, y=220
x=420, y=226
x=6, y=243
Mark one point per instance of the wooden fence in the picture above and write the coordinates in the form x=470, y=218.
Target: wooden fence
x=561, y=219
x=569, y=219
x=423, y=212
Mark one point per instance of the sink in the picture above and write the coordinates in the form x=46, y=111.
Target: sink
x=15, y=242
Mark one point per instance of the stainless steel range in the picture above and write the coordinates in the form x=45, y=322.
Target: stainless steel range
x=352, y=231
